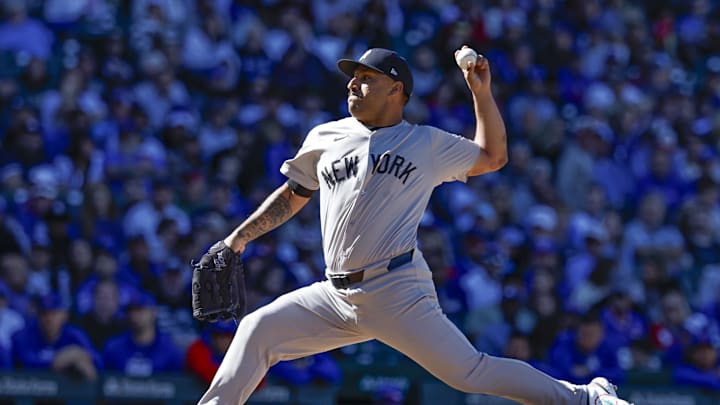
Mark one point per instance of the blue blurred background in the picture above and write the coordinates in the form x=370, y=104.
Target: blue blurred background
x=135, y=134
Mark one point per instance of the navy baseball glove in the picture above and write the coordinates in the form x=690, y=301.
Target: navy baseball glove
x=218, y=285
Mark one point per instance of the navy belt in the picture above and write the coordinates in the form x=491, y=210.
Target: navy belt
x=345, y=281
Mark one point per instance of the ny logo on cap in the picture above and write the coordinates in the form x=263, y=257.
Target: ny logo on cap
x=393, y=72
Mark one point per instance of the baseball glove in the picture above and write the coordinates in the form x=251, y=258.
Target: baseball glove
x=218, y=285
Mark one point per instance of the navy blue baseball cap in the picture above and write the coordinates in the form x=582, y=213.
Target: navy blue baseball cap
x=383, y=61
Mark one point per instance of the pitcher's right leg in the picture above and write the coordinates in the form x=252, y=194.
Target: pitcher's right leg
x=309, y=320
x=425, y=335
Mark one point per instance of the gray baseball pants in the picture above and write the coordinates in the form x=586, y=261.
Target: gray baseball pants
x=399, y=308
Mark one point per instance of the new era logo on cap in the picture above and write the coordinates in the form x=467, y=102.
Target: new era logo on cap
x=384, y=61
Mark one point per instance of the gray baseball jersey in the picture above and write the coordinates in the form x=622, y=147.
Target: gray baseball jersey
x=375, y=185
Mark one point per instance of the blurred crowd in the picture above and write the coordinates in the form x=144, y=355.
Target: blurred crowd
x=133, y=135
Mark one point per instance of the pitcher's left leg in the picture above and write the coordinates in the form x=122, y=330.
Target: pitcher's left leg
x=422, y=332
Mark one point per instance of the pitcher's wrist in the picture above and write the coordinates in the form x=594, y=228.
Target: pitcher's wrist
x=235, y=243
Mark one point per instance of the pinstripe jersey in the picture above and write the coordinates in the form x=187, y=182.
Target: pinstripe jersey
x=375, y=185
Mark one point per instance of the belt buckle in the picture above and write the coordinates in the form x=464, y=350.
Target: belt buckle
x=340, y=281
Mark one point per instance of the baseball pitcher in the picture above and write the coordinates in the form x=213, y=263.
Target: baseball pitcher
x=375, y=173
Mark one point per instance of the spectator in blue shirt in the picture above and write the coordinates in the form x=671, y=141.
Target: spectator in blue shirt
x=649, y=234
x=144, y=217
x=584, y=352
x=143, y=350
x=105, y=267
x=99, y=217
x=701, y=241
x=15, y=272
x=580, y=265
x=49, y=342
x=701, y=367
x=624, y=324
x=137, y=268
x=105, y=318
x=680, y=327
x=22, y=34
x=662, y=178
x=174, y=314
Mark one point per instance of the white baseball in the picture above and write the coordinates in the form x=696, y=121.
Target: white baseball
x=466, y=58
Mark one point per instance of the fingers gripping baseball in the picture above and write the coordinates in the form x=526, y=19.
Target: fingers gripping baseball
x=475, y=68
x=218, y=285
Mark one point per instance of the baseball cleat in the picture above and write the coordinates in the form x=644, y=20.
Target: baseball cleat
x=601, y=392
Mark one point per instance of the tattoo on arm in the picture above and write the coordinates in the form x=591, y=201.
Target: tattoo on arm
x=275, y=211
